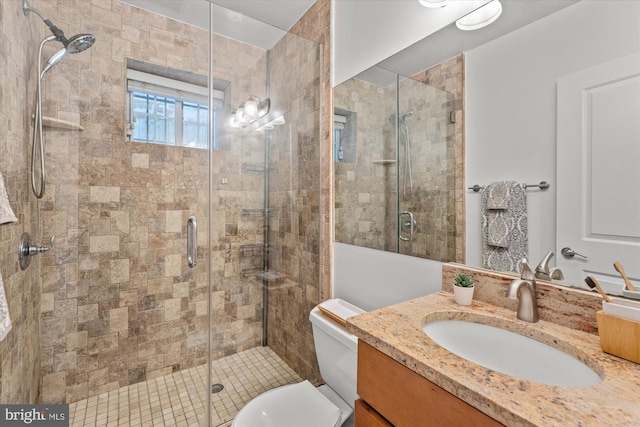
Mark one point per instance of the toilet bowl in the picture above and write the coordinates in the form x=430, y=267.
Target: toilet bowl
x=302, y=404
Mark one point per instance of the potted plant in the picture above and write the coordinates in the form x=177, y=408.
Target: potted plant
x=463, y=289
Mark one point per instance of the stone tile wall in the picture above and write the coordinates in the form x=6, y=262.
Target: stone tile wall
x=120, y=304
x=361, y=196
x=432, y=167
x=294, y=199
x=315, y=25
x=20, y=350
x=449, y=76
x=437, y=152
x=305, y=234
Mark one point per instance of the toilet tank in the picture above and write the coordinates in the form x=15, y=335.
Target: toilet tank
x=337, y=350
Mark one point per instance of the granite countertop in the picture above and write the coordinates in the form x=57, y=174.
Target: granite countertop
x=397, y=331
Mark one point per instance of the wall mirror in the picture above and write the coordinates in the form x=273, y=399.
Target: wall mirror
x=500, y=125
x=394, y=141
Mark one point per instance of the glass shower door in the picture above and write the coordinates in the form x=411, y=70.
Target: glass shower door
x=426, y=160
x=124, y=328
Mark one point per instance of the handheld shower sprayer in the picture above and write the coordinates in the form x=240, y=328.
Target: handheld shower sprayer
x=75, y=44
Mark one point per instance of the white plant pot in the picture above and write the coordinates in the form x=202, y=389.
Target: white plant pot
x=463, y=296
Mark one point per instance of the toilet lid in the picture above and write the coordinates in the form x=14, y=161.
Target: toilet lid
x=292, y=405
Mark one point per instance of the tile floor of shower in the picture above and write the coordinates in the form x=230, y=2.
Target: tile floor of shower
x=178, y=399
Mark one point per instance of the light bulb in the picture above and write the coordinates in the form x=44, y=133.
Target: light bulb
x=240, y=118
x=251, y=108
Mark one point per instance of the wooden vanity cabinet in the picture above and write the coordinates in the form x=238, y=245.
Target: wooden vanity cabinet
x=393, y=395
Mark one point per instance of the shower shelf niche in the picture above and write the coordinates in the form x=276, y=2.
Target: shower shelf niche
x=384, y=162
x=54, y=123
x=255, y=213
x=255, y=167
x=259, y=273
x=250, y=251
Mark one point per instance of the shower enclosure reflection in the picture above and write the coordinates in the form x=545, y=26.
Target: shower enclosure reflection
x=396, y=190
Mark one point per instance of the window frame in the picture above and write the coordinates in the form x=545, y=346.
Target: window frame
x=180, y=93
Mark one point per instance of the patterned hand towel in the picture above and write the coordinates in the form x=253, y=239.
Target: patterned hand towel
x=498, y=219
x=6, y=216
x=498, y=195
x=505, y=232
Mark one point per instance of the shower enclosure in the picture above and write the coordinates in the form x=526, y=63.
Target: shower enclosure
x=395, y=183
x=186, y=223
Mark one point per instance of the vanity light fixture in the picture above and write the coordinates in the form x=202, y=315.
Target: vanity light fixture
x=480, y=17
x=249, y=111
x=434, y=4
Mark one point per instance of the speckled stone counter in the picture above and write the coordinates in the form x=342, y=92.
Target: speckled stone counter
x=397, y=331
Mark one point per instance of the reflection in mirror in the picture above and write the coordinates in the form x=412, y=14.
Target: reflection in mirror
x=511, y=73
x=395, y=169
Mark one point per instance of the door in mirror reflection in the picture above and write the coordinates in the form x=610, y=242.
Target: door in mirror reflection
x=598, y=155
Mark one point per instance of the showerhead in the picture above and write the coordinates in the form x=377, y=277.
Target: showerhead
x=75, y=44
x=392, y=118
x=80, y=43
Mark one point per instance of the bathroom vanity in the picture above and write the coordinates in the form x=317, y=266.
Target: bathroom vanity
x=406, y=379
x=392, y=394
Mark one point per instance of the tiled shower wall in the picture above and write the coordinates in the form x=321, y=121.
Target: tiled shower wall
x=365, y=205
x=20, y=350
x=449, y=76
x=431, y=136
x=305, y=235
x=294, y=194
x=119, y=303
x=361, y=198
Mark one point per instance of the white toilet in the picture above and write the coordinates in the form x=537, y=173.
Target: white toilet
x=302, y=404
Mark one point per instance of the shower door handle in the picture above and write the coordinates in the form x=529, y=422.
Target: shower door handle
x=406, y=225
x=192, y=242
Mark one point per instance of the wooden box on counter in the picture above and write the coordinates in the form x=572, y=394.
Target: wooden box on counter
x=618, y=336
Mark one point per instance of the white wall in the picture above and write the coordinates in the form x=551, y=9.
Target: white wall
x=367, y=31
x=511, y=105
x=371, y=279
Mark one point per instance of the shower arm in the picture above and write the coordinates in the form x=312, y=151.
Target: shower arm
x=57, y=32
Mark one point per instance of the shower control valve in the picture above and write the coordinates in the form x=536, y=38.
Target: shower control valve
x=26, y=250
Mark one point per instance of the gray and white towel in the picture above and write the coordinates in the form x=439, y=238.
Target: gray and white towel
x=6, y=216
x=504, y=226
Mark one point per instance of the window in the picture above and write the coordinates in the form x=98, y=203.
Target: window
x=338, y=128
x=168, y=111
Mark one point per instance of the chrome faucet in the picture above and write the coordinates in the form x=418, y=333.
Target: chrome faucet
x=524, y=290
x=543, y=272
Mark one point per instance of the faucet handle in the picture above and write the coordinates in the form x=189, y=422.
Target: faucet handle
x=542, y=270
x=527, y=273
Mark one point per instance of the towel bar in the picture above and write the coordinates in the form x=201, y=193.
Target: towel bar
x=544, y=185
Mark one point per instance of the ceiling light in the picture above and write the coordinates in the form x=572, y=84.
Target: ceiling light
x=433, y=4
x=480, y=17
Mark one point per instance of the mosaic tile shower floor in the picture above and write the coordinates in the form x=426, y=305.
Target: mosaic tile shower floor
x=178, y=399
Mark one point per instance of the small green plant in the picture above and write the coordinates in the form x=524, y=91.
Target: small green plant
x=463, y=280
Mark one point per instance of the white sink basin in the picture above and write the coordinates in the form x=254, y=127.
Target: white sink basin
x=511, y=353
